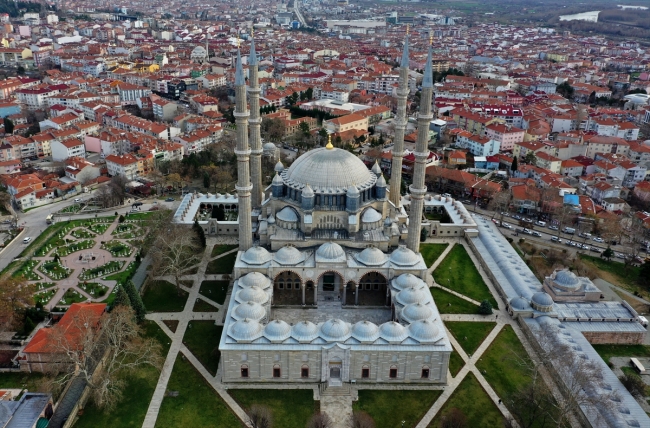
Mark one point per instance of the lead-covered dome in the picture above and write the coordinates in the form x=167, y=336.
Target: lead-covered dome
x=371, y=256
x=416, y=312
x=287, y=214
x=252, y=294
x=365, y=332
x=402, y=256
x=424, y=331
x=325, y=168
x=519, y=303
x=370, y=215
x=393, y=332
x=288, y=256
x=277, y=331
x=542, y=301
x=255, y=279
x=250, y=309
x=334, y=330
x=566, y=280
x=411, y=295
x=304, y=331
x=245, y=330
x=256, y=256
x=330, y=251
x=406, y=280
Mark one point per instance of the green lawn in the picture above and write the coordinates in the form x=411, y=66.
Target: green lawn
x=447, y=303
x=202, y=339
x=470, y=335
x=20, y=380
x=131, y=410
x=389, y=408
x=222, y=265
x=162, y=296
x=215, y=290
x=608, y=351
x=470, y=398
x=197, y=404
x=221, y=248
x=125, y=275
x=501, y=364
x=203, y=306
x=627, y=274
x=291, y=408
x=455, y=363
x=73, y=296
x=431, y=252
x=457, y=272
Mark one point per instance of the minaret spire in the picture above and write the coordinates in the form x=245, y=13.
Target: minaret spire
x=243, y=153
x=418, y=188
x=255, y=122
x=400, y=127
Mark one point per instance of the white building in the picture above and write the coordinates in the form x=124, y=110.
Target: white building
x=62, y=150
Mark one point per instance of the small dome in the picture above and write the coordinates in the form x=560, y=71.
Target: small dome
x=270, y=148
x=287, y=214
x=371, y=256
x=416, y=312
x=277, y=180
x=381, y=181
x=411, y=295
x=279, y=167
x=255, y=279
x=424, y=331
x=251, y=310
x=566, y=278
x=271, y=219
x=406, y=280
x=519, y=303
x=376, y=169
x=393, y=332
x=402, y=256
x=330, y=251
x=288, y=256
x=388, y=222
x=252, y=294
x=365, y=331
x=541, y=301
x=277, y=331
x=245, y=330
x=370, y=215
x=353, y=191
x=256, y=256
x=304, y=331
x=307, y=192
x=334, y=330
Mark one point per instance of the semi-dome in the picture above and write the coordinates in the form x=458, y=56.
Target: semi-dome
x=370, y=215
x=415, y=312
x=411, y=295
x=330, y=251
x=334, y=330
x=371, y=256
x=288, y=256
x=277, y=331
x=245, y=330
x=365, y=331
x=255, y=279
x=403, y=256
x=252, y=294
x=424, y=331
x=256, y=256
x=250, y=309
x=326, y=168
x=406, y=280
x=393, y=332
x=519, y=303
x=304, y=331
x=287, y=214
x=541, y=301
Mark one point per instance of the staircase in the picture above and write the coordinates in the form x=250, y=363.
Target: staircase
x=342, y=390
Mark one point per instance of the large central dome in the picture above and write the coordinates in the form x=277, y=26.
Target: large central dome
x=328, y=169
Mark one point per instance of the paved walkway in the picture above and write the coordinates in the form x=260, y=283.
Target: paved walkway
x=338, y=408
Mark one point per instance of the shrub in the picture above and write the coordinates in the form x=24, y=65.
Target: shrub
x=521, y=240
x=485, y=308
x=121, y=219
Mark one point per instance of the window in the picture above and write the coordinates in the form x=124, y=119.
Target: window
x=244, y=371
x=277, y=372
x=365, y=372
x=425, y=373
x=393, y=372
x=304, y=372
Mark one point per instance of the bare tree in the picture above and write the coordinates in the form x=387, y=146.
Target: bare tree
x=499, y=203
x=454, y=418
x=360, y=419
x=320, y=420
x=260, y=416
x=103, y=350
x=15, y=296
x=174, y=251
x=118, y=187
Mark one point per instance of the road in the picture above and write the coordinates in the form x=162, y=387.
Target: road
x=296, y=9
x=34, y=224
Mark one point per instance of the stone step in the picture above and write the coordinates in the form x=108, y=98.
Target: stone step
x=337, y=391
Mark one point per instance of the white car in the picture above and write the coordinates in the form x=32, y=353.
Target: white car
x=620, y=255
x=506, y=225
x=77, y=200
x=27, y=240
x=598, y=239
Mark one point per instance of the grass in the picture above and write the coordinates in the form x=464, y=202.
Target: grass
x=110, y=267
x=117, y=248
x=197, y=404
x=20, y=380
x=390, y=408
x=203, y=306
x=617, y=273
x=125, y=275
x=162, y=296
x=138, y=216
x=501, y=364
x=470, y=335
x=26, y=271
x=470, y=398
x=215, y=290
x=608, y=351
x=55, y=270
x=139, y=387
x=94, y=289
x=291, y=408
x=221, y=248
x=431, y=252
x=82, y=234
x=457, y=272
x=455, y=363
x=44, y=296
x=447, y=303
x=72, y=296
x=222, y=265
x=202, y=338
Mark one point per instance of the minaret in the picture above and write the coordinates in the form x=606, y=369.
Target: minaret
x=254, y=125
x=243, y=153
x=400, y=126
x=418, y=188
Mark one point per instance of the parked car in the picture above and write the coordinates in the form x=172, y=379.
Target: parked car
x=169, y=200
x=516, y=217
x=137, y=204
x=556, y=239
x=505, y=214
x=77, y=200
x=527, y=231
x=619, y=255
x=553, y=227
x=540, y=223
x=506, y=225
x=535, y=233
x=596, y=250
x=598, y=239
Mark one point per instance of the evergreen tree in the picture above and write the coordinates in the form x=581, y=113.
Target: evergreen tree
x=206, y=180
x=200, y=233
x=121, y=297
x=136, y=301
x=423, y=235
x=644, y=274
x=9, y=126
x=608, y=253
x=485, y=308
x=515, y=164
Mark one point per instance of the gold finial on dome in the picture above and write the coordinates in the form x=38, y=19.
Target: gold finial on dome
x=329, y=145
x=431, y=38
x=252, y=32
x=408, y=27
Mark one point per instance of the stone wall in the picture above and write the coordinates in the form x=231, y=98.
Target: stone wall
x=614, y=337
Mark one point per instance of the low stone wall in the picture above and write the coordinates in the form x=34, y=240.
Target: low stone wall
x=613, y=338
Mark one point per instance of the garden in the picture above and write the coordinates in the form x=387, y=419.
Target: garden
x=74, y=247
x=81, y=233
x=117, y=248
x=55, y=270
x=72, y=296
x=27, y=272
x=105, y=269
x=95, y=289
x=162, y=296
x=472, y=401
x=390, y=407
x=44, y=296
x=127, y=231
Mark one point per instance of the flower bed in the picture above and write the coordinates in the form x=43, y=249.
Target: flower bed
x=27, y=271
x=117, y=248
x=74, y=247
x=82, y=234
x=72, y=296
x=44, y=296
x=110, y=267
x=93, y=288
x=55, y=270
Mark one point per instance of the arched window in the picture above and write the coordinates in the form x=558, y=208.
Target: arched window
x=365, y=372
x=392, y=373
x=244, y=370
x=425, y=372
x=277, y=372
x=304, y=371
x=296, y=284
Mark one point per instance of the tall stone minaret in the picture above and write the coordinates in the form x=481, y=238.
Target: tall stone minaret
x=400, y=126
x=255, y=121
x=243, y=153
x=418, y=188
